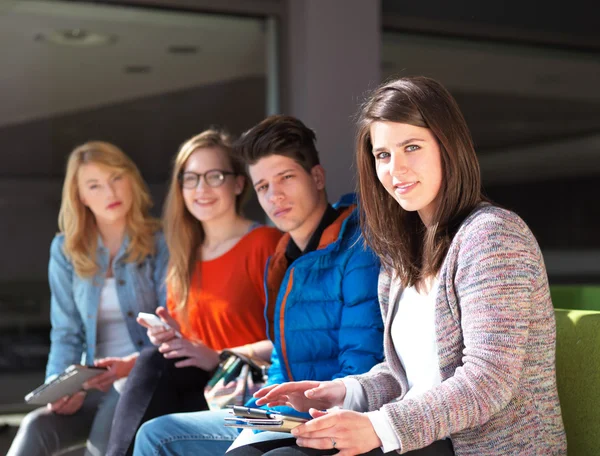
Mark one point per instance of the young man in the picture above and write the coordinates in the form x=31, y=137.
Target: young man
x=321, y=285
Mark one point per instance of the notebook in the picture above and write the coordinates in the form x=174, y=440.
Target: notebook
x=67, y=383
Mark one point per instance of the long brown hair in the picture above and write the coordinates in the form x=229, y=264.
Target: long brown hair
x=183, y=232
x=78, y=223
x=399, y=237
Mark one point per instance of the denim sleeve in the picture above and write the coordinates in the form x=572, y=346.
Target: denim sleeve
x=67, y=338
x=361, y=326
x=161, y=263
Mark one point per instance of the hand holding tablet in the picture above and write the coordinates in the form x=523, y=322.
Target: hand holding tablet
x=66, y=384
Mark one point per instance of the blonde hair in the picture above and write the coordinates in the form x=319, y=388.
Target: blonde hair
x=183, y=232
x=78, y=223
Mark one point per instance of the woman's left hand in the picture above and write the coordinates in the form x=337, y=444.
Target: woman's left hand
x=117, y=368
x=352, y=432
x=196, y=354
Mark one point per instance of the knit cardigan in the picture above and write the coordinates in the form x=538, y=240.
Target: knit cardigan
x=496, y=338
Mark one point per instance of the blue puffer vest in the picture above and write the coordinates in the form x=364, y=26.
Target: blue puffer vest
x=322, y=310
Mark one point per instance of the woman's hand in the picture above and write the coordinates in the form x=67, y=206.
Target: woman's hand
x=117, y=368
x=158, y=334
x=69, y=404
x=352, y=432
x=303, y=395
x=196, y=354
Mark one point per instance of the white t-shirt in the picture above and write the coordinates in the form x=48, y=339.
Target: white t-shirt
x=112, y=336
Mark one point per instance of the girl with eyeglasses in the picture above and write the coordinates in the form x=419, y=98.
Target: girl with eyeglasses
x=215, y=294
x=107, y=263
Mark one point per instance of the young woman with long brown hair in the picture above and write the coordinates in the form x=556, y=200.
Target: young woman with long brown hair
x=215, y=287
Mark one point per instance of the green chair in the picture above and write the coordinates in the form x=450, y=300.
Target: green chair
x=582, y=297
x=578, y=377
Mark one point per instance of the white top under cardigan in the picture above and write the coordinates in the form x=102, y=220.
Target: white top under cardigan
x=414, y=338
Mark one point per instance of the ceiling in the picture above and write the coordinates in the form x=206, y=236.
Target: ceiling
x=41, y=79
x=54, y=97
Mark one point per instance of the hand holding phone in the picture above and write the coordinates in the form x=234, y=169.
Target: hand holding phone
x=153, y=321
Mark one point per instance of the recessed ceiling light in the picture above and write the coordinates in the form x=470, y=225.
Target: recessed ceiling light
x=76, y=38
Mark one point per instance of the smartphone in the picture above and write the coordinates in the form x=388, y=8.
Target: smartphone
x=250, y=412
x=154, y=321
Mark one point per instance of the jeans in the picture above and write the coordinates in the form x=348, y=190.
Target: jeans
x=44, y=433
x=197, y=433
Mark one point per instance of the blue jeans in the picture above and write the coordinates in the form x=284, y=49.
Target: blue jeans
x=197, y=433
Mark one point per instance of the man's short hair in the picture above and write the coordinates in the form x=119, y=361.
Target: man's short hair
x=279, y=135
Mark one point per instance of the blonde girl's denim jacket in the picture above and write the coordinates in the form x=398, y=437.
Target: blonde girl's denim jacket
x=74, y=300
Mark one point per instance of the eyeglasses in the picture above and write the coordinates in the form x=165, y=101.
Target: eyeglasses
x=213, y=178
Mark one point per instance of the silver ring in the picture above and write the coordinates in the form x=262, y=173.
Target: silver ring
x=333, y=442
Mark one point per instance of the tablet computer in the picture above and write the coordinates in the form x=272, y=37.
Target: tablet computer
x=67, y=383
